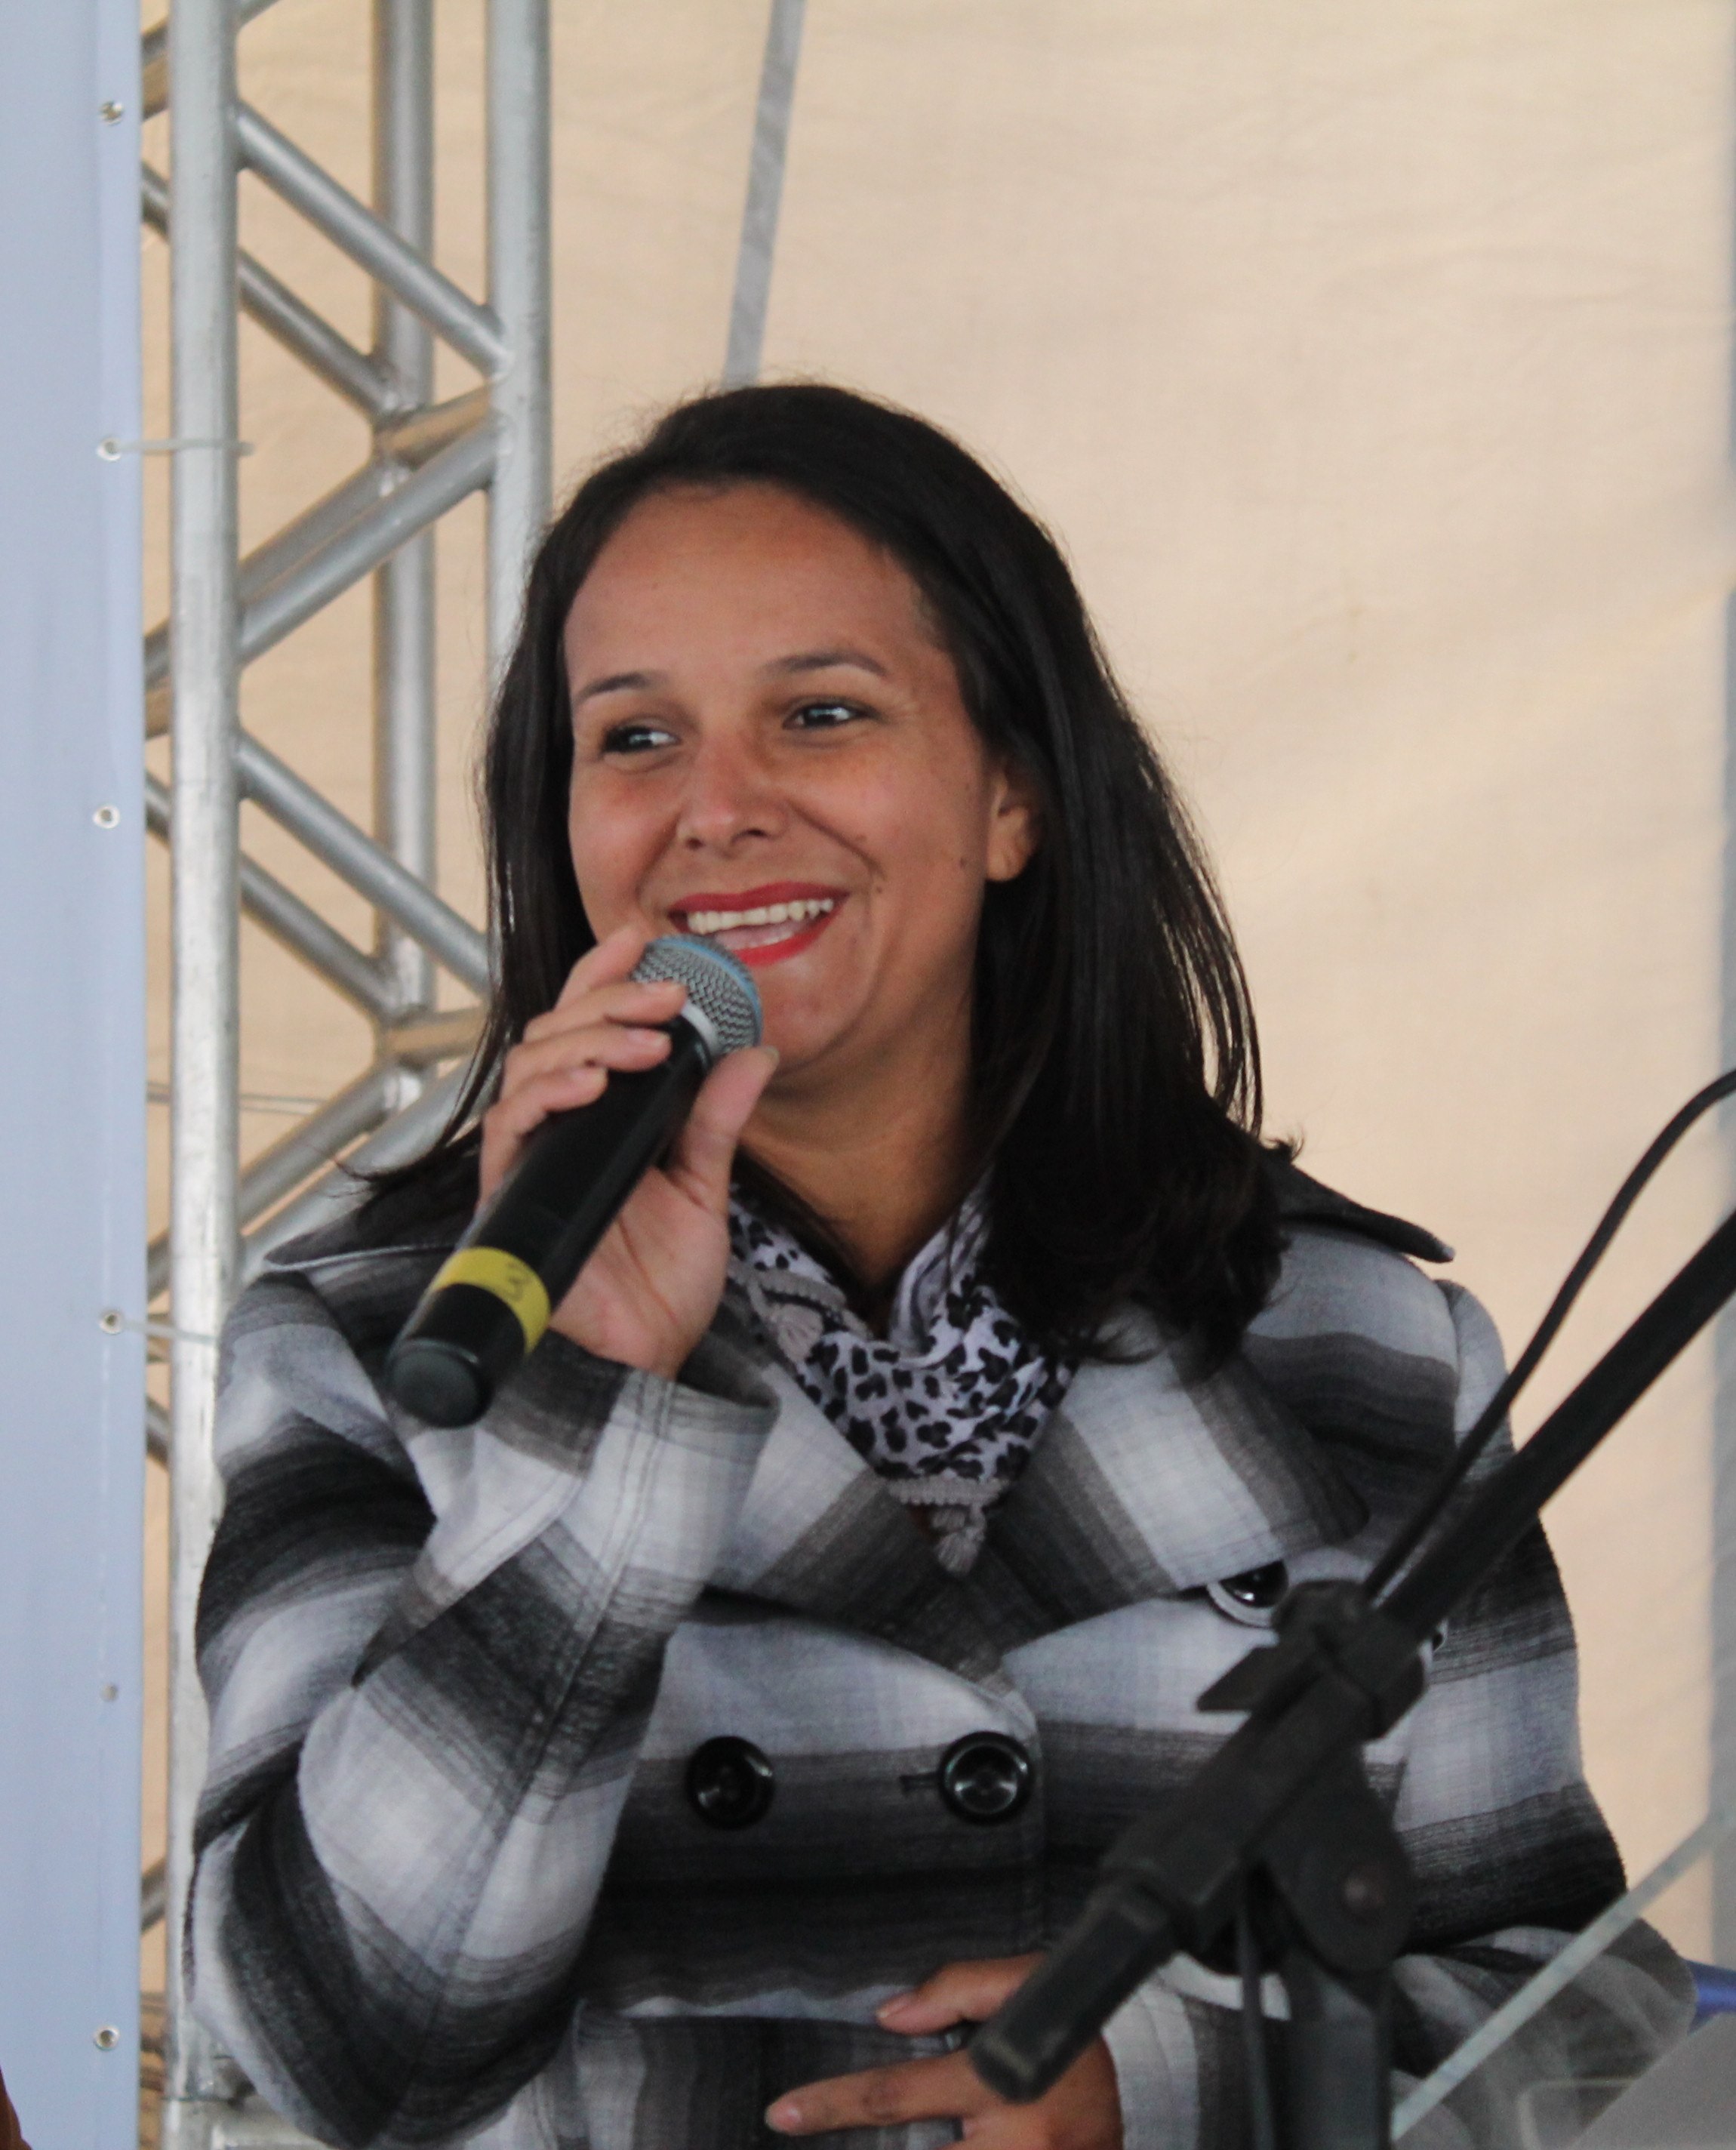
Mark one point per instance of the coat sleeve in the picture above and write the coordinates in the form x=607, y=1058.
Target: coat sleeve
x=1509, y=1854
x=429, y=1658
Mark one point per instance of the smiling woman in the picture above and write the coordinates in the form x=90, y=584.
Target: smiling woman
x=796, y=710
x=703, y=1741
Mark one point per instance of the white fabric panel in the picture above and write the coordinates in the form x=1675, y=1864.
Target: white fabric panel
x=1373, y=364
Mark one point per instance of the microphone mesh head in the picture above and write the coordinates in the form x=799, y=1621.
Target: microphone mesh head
x=719, y=988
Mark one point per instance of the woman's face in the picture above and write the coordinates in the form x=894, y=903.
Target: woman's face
x=771, y=749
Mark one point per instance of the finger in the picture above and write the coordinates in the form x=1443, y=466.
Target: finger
x=701, y=1162
x=593, y=1045
x=958, y=1993
x=943, y=2088
x=507, y=1123
x=613, y=957
x=625, y=1000
x=511, y=1118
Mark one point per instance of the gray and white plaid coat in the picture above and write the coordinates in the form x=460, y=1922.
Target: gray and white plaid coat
x=451, y=1883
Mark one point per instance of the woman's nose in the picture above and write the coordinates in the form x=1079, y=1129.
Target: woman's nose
x=729, y=795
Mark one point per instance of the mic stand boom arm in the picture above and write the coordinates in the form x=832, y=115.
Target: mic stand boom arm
x=1284, y=1801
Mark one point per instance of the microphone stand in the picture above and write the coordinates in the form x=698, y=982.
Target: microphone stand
x=1280, y=1829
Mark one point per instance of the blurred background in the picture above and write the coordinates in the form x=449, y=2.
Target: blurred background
x=1373, y=366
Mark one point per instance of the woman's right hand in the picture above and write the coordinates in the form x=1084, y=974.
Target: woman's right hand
x=648, y=1292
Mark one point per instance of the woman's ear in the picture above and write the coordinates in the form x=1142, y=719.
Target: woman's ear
x=1015, y=823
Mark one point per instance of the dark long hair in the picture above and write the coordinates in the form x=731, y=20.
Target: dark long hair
x=1116, y=1071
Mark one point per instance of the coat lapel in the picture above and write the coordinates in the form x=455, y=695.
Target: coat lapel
x=819, y=1534
x=1145, y=1484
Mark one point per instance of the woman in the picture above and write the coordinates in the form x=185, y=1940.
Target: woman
x=719, y=1728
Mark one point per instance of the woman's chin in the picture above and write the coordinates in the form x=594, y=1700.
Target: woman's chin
x=808, y=1032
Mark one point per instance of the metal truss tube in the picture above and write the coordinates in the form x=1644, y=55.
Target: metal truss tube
x=415, y=437
x=153, y=71
x=311, y=1144
x=305, y=335
x=311, y=338
x=402, y=1138
x=404, y=645
x=518, y=290
x=357, y=859
x=315, y=527
x=326, y=518
x=421, y=1040
x=150, y=1897
x=471, y=331
x=205, y=1015
x=364, y=544
x=341, y=537
x=153, y=56
x=296, y=924
x=300, y=928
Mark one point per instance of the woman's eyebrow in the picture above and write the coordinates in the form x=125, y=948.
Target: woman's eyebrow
x=617, y=682
x=826, y=660
x=806, y=660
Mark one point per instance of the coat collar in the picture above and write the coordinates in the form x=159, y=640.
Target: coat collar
x=1144, y=1483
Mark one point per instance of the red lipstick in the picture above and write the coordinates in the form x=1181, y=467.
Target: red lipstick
x=768, y=941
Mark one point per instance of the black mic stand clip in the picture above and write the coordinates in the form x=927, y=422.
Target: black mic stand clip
x=1329, y=1899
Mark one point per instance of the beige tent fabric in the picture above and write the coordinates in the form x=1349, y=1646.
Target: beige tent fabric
x=1374, y=366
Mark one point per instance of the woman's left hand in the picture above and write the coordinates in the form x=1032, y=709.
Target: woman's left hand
x=1081, y=2112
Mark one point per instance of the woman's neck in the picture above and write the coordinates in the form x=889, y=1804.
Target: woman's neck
x=884, y=1163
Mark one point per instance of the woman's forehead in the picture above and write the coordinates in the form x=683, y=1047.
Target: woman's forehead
x=749, y=565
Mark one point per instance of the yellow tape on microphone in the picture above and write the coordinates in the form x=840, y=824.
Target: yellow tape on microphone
x=511, y=1281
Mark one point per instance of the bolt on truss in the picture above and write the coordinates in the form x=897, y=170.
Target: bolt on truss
x=227, y=610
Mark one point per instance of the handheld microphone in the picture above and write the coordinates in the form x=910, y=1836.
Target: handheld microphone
x=490, y=1302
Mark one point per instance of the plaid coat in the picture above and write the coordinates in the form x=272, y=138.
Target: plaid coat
x=460, y=1878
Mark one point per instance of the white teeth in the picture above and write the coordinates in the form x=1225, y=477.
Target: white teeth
x=799, y=912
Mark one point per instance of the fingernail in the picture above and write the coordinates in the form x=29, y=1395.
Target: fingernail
x=773, y=1054
x=784, y=2115
x=899, y=2005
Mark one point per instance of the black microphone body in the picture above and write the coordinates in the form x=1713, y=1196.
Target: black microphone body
x=490, y=1302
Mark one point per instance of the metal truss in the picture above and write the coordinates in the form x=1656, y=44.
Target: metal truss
x=226, y=611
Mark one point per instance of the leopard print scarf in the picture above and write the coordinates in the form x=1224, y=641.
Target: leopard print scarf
x=946, y=1406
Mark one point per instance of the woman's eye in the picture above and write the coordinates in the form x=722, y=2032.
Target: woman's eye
x=636, y=736
x=824, y=716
